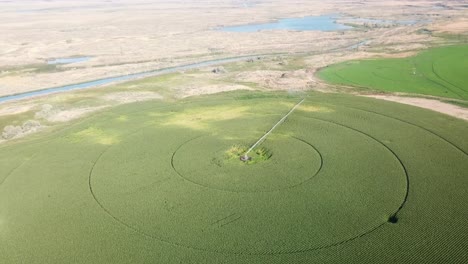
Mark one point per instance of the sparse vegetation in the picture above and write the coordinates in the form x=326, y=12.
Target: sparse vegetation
x=235, y=152
x=11, y=131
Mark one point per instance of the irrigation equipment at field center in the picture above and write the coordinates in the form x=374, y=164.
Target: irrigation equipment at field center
x=246, y=157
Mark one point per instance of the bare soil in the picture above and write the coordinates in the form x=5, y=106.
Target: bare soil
x=72, y=114
x=431, y=104
x=278, y=80
x=458, y=26
x=194, y=90
x=130, y=97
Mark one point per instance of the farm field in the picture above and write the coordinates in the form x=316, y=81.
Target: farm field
x=238, y=131
x=343, y=179
x=438, y=72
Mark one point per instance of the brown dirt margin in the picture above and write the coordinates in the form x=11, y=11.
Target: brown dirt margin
x=431, y=104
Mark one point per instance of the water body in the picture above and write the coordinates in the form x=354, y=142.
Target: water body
x=68, y=60
x=248, y=4
x=121, y=78
x=129, y=77
x=317, y=23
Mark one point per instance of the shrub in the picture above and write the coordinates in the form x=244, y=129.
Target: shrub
x=10, y=132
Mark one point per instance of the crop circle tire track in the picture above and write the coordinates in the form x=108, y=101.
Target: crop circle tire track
x=257, y=191
x=146, y=235
x=438, y=83
x=224, y=252
x=16, y=168
x=434, y=70
x=386, y=147
x=130, y=227
x=409, y=123
x=299, y=251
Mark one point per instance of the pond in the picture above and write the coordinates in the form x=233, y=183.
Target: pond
x=317, y=23
x=68, y=60
x=320, y=23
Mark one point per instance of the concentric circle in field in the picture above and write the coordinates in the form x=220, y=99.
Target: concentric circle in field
x=107, y=188
x=203, y=161
x=313, y=193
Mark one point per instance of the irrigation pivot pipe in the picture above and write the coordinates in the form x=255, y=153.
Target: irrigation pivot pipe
x=245, y=157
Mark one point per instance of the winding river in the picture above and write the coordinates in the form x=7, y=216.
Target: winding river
x=128, y=77
x=109, y=80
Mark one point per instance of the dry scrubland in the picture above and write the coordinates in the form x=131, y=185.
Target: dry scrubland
x=133, y=36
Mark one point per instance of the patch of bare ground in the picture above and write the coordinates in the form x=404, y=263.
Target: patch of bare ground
x=322, y=60
x=61, y=116
x=55, y=115
x=131, y=97
x=458, y=26
x=13, y=132
x=278, y=80
x=187, y=91
x=432, y=104
x=49, y=114
x=15, y=109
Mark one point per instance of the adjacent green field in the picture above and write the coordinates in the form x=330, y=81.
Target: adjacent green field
x=438, y=72
x=344, y=179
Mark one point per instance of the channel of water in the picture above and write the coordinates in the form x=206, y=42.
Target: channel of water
x=121, y=78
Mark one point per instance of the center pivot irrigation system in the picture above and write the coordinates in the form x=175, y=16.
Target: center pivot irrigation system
x=246, y=157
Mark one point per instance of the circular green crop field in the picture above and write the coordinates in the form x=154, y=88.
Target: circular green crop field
x=342, y=175
x=437, y=71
